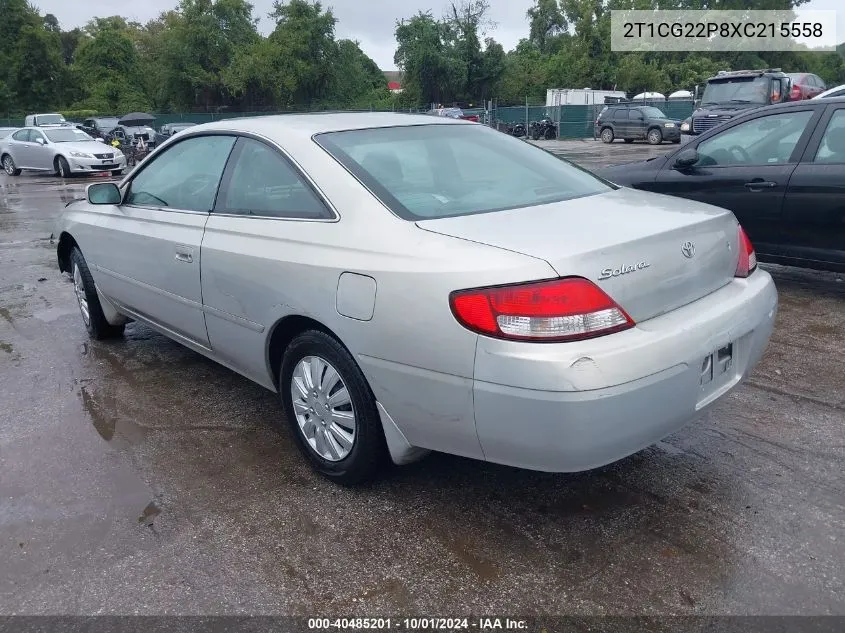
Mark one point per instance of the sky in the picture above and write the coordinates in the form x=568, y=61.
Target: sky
x=371, y=22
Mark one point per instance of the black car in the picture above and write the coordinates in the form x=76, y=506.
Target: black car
x=780, y=169
x=730, y=93
x=636, y=122
x=98, y=127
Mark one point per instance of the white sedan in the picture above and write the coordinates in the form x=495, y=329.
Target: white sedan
x=62, y=151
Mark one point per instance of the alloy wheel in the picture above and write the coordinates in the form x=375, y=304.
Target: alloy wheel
x=323, y=408
x=9, y=166
x=81, y=297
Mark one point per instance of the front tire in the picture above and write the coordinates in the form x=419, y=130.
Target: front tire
x=62, y=167
x=89, y=303
x=331, y=410
x=655, y=137
x=607, y=135
x=10, y=167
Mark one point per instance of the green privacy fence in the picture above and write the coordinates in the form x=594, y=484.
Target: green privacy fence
x=200, y=117
x=576, y=121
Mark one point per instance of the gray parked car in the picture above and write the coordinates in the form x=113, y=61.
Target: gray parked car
x=410, y=283
x=61, y=150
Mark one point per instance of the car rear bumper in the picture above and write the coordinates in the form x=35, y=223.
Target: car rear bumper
x=576, y=406
x=94, y=165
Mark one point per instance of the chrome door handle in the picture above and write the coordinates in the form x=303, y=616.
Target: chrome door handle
x=184, y=254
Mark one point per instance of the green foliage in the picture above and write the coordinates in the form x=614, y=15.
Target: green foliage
x=78, y=114
x=207, y=55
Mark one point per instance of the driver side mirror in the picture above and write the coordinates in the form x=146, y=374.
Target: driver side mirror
x=40, y=141
x=686, y=159
x=103, y=193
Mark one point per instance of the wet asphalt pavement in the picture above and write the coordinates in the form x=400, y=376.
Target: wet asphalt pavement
x=138, y=477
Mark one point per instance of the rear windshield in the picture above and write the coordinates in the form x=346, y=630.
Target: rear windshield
x=107, y=123
x=437, y=171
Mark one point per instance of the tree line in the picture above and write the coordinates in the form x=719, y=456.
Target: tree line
x=206, y=55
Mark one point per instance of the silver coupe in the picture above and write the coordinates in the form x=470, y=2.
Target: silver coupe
x=410, y=283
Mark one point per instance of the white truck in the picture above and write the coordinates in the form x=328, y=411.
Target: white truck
x=579, y=96
x=46, y=120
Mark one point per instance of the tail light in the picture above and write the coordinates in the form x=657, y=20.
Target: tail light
x=795, y=95
x=747, y=263
x=567, y=309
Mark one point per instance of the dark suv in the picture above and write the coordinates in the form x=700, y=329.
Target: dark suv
x=731, y=93
x=632, y=122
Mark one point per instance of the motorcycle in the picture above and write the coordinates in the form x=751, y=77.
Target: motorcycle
x=544, y=128
x=518, y=130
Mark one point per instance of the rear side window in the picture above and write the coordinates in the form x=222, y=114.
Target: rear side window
x=21, y=135
x=438, y=171
x=832, y=147
x=260, y=181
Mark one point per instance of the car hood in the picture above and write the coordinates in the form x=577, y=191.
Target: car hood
x=89, y=147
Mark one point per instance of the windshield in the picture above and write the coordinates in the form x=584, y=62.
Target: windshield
x=739, y=90
x=653, y=113
x=438, y=171
x=67, y=135
x=107, y=124
x=50, y=119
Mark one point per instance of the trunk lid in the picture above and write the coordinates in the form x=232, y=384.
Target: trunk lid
x=630, y=243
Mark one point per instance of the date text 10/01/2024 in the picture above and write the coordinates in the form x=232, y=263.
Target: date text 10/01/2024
x=416, y=624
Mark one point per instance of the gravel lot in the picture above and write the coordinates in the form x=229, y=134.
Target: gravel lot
x=139, y=477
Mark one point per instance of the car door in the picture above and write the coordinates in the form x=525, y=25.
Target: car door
x=745, y=167
x=637, y=124
x=814, y=206
x=256, y=256
x=621, y=123
x=40, y=151
x=146, y=251
x=19, y=148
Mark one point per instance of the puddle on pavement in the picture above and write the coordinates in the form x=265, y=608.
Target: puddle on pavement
x=149, y=514
x=106, y=419
x=52, y=314
x=6, y=347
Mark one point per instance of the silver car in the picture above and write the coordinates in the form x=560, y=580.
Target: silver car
x=410, y=283
x=61, y=150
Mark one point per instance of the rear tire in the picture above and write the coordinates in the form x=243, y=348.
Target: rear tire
x=607, y=135
x=655, y=137
x=347, y=462
x=88, y=300
x=62, y=167
x=10, y=167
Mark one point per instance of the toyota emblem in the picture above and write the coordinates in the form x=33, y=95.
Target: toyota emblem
x=688, y=249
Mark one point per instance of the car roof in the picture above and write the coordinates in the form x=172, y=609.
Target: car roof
x=307, y=125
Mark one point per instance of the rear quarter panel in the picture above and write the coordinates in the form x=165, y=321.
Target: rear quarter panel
x=418, y=360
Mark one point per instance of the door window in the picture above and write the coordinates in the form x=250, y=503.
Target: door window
x=184, y=176
x=262, y=182
x=767, y=140
x=34, y=135
x=832, y=146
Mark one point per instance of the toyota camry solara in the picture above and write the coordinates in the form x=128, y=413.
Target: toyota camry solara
x=411, y=283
